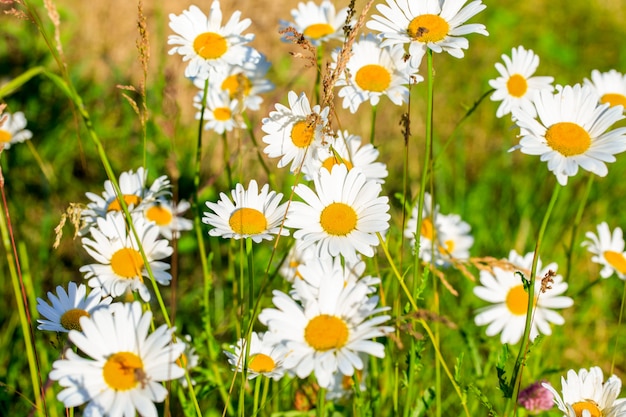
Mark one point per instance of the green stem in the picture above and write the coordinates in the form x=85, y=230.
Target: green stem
x=318, y=73
x=226, y=157
x=321, y=403
x=576, y=225
x=373, y=124
x=619, y=326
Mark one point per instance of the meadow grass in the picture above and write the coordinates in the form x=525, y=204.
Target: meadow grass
x=437, y=362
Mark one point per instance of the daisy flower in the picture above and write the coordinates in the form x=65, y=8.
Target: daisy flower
x=610, y=86
x=342, y=386
x=430, y=24
x=118, y=375
x=571, y=131
x=188, y=360
x=318, y=24
x=265, y=358
x=205, y=43
x=13, y=129
x=342, y=215
x=168, y=216
x=68, y=307
x=347, y=148
x=327, y=334
x=294, y=132
x=373, y=71
x=120, y=266
x=220, y=112
x=253, y=214
x=296, y=257
x=504, y=289
x=516, y=86
x=586, y=394
x=608, y=250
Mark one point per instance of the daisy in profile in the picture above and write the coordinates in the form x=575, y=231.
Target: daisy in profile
x=571, y=130
x=342, y=387
x=221, y=114
x=318, y=24
x=342, y=215
x=430, y=24
x=121, y=368
x=168, y=216
x=265, y=358
x=373, y=72
x=250, y=214
x=205, y=43
x=328, y=334
x=586, y=394
x=346, y=148
x=294, y=133
x=188, y=360
x=296, y=257
x=13, y=129
x=120, y=266
x=608, y=250
x=610, y=86
x=516, y=85
x=68, y=307
x=505, y=290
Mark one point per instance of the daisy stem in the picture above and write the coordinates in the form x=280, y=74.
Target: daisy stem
x=321, y=403
x=619, y=326
x=516, y=377
x=373, y=124
x=257, y=389
x=577, y=220
x=226, y=156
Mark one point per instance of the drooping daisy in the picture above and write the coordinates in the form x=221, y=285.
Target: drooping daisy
x=516, y=85
x=571, y=130
x=318, y=24
x=374, y=71
x=68, y=307
x=168, y=216
x=505, y=290
x=608, y=250
x=221, y=114
x=347, y=149
x=122, y=367
x=586, y=394
x=327, y=335
x=429, y=24
x=13, y=129
x=205, y=43
x=610, y=86
x=120, y=266
x=253, y=214
x=265, y=357
x=342, y=215
x=295, y=132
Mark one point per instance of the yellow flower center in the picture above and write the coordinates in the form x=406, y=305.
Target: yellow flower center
x=159, y=214
x=318, y=30
x=127, y=263
x=210, y=45
x=616, y=260
x=182, y=361
x=517, y=85
x=222, y=114
x=326, y=332
x=123, y=371
x=261, y=363
x=517, y=300
x=448, y=249
x=613, y=99
x=373, y=78
x=302, y=134
x=236, y=85
x=70, y=320
x=247, y=221
x=5, y=136
x=129, y=199
x=331, y=161
x=428, y=28
x=338, y=219
x=590, y=406
x=568, y=138
x=426, y=229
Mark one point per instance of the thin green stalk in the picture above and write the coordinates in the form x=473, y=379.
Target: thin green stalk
x=318, y=72
x=257, y=389
x=619, y=326
x=373, y=124
x=576, y=225
x=226, y=157
x=320, y=410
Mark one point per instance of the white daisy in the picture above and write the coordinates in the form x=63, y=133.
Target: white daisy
x=342, y=386
x=205, y=43
x=505, y=290
x=327, y=334
x=373, y=71
x=346, y=148
x=571, y=131
x=168, y=216
x=295, y=132
x=221, y=114
x=265, y=357
x=516, y=86
x=318, y=24
x=13, y=129
x=188, y=360
x=610, y=86
x=120, y=265
x=296, y=257
x=586, y=394
x=68, y=307
x=253, y=214
x=429, y=24
x=342, y=215
x=122, y=367
x=608, y=250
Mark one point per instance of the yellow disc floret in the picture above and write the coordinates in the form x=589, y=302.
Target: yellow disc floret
x=210, y=45
x=326, y=332
x=569, y=139
x=123, y=371
x=338, y=219
x=248, y=221
x=428, y=28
